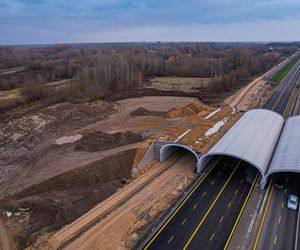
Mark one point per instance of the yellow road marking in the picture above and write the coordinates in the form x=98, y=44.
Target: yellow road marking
x=275, y=240
x=171, y=217
x=275, y=91
x=279, y=97
x=169, y=241
x=242, y=181
x=182, y=223
x=210, y=208
x=288, y=102
x=221, y=219
x=195, y=206
x=203, y=194
x=212, y=236
x=264, y=216
x=241, y=211
x=229, y=205
x=279, y=219
x=282, y=204
x=236, y=191
x=212, y=183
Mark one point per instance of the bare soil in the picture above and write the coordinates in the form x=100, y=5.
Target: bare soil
x=63, y=198
x=5, y=239
x=99, y=141
x=252, y=96
x=60, y=161
x=143, y=111
x=130, y=222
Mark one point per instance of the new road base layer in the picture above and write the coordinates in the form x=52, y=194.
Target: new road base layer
x=261, y=138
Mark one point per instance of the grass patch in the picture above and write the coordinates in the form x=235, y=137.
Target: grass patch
x=184, y=84
x=8, y=207
x=281, y=74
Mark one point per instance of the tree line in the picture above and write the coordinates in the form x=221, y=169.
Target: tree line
x=98, y=69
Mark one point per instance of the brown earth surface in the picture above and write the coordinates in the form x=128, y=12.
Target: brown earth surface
x=131, y=221
x=252, y=96
x=60, y=161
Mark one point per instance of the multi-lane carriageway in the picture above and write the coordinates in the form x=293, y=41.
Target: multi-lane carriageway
x=208, y=216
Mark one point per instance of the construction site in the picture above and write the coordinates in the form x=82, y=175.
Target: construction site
x=100, y=146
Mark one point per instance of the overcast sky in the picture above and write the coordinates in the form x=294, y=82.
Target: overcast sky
x=64, y=21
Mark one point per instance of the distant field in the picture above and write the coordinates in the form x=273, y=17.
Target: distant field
x=10, y=71
x=280, y=75
x=60, y=83
x=184, y=84
x=7, y=95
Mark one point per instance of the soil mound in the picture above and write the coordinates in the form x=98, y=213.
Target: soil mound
x=142, y=111
x=188, y=111
x=99, y=141
x=63, y=111
x=63, y=198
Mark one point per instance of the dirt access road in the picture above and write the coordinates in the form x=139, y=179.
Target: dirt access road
x=5, y=243
x=63, y=160
x=128, y=225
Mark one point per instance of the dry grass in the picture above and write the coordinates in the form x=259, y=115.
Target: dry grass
x=184, y=84
x=12, y=70
x=8, y=95
x=60, y=83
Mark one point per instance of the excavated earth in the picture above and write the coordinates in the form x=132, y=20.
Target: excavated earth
x=59, y=162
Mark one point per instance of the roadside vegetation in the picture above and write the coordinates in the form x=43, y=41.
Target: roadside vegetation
x=281, y=74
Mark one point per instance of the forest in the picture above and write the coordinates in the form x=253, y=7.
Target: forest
x=95, y=70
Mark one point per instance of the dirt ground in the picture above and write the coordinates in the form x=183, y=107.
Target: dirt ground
x=62, y=157
x=251, y=96
x=5, y=243
x=59, y=162
x=132, y=219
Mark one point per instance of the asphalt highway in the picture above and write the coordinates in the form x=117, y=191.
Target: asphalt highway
x=279, y=224
x=208, y=206
x=278, y=231
x=278, y=101
x=206, y=219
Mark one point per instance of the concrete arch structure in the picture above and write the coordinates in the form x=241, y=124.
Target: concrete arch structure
x=287, y=154
x=252, y=139
x=168, y=149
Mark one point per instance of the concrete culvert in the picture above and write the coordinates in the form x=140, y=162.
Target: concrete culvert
x=169, y=149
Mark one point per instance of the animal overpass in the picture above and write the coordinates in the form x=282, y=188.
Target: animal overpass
x=260, y=138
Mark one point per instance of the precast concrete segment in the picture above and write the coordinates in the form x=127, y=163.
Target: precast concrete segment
x=168, y=149
x=252, y=139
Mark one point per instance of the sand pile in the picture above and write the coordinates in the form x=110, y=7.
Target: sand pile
x=189, y=111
